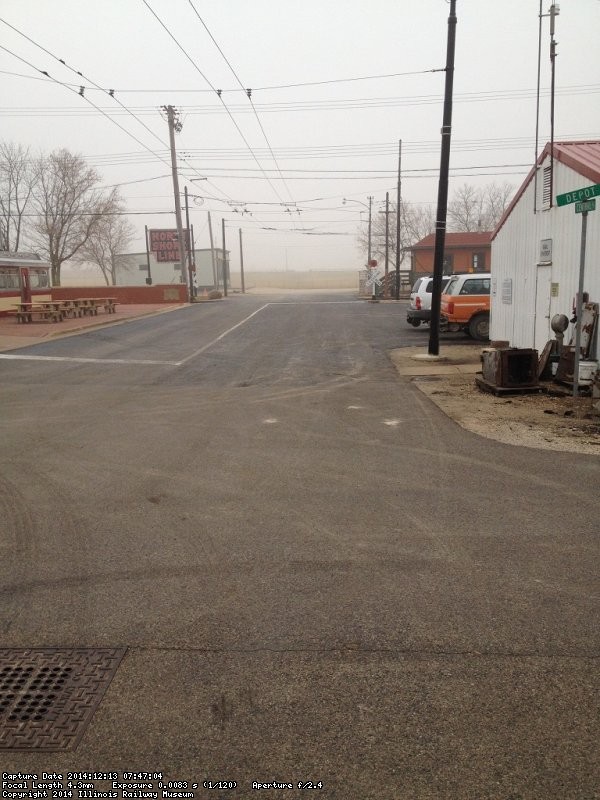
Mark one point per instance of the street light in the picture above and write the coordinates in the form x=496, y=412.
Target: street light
x=360, y=202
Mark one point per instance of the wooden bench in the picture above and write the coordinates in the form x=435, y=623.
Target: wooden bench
x=44, y=314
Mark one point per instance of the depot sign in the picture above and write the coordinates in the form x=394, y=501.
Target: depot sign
x=164, y=244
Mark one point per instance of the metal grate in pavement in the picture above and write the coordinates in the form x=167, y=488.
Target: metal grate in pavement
x=48, y=695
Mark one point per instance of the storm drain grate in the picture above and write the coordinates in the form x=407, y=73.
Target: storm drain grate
x=48, y=695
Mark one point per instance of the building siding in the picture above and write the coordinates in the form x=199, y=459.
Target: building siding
x=132, y=269
x=516, y=256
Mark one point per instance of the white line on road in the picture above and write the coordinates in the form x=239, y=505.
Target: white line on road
x=13, y=357
x=222, y=336
x=77, y=360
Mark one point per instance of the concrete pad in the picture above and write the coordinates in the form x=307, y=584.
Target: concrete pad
x=455, y=359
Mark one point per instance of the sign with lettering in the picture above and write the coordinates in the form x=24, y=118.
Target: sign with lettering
x=587, y=205
x=163, y=242
x=546, y=250
x=587, y=193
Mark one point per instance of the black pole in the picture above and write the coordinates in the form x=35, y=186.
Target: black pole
x=537, y=111
x=552, y=91
x=442, y=206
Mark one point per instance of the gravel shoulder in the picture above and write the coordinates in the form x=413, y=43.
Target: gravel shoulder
x=536, y=420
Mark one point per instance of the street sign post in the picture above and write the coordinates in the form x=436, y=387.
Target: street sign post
x=587, y=193
x=584, y=202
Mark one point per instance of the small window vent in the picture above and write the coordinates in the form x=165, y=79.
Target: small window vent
x=547, y=187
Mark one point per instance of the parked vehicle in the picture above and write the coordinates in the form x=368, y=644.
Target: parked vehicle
x=466, y=305
x=419, y=309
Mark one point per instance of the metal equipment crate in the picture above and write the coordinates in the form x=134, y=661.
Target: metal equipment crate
x=511, y=368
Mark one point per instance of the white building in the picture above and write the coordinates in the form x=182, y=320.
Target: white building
x=132, y=269
x=536, y=248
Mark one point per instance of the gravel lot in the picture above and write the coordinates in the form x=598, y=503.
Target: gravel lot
x=528, y=420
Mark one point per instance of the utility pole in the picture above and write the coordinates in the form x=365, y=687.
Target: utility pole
x=554, y=11
x=224, y=258
x=387, y=242
x=537, y=111
x=398, y=215
x=242, y=264
x=193, y=255
x=149, y=278
x=442, y=203
x=212, y=253
x=188, y=242
x=370, y=199
x=176, y=125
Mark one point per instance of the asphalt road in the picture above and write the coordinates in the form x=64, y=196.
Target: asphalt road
x=316, y=574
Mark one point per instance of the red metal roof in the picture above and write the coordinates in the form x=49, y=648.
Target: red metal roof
x=582, y=157
x=455, y=240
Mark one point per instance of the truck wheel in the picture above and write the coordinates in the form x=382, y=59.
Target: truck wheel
x=415, y=323
x=479, y=327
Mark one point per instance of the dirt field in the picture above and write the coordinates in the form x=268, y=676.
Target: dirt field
x=529, y=420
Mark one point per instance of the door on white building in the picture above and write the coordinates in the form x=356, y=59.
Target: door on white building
x=542, y=331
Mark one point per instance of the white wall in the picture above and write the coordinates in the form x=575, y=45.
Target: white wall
x=133, y=271
x=516, y=254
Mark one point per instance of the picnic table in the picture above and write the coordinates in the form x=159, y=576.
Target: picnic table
x=69, y=308
x=90, y=305
x=57, y=310
x=27, y=311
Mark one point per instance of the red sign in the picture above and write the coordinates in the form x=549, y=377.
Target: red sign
x=164, y=243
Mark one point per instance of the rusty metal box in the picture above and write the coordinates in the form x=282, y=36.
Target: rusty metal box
x=510, y=368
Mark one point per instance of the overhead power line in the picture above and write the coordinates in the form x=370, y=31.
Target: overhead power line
x=109, y=92
x=82, y=94
x=326, y=105
x=247, y=91
x=255, y=88
x=217, y=92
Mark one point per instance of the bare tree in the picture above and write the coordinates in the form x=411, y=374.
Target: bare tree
x=416, y=222
x=17, y=178
x=106, y=243
x=478, y=209
x=69, y=207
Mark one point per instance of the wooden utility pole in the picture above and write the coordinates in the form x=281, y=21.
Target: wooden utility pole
x=212, y=253
x=149, y=278
x=370, y=199
x=387, y=243
x=224, y=258
x=176, y=125
x=398, y=218
x=188, y=242
x=242, y=264
x=193, y=259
